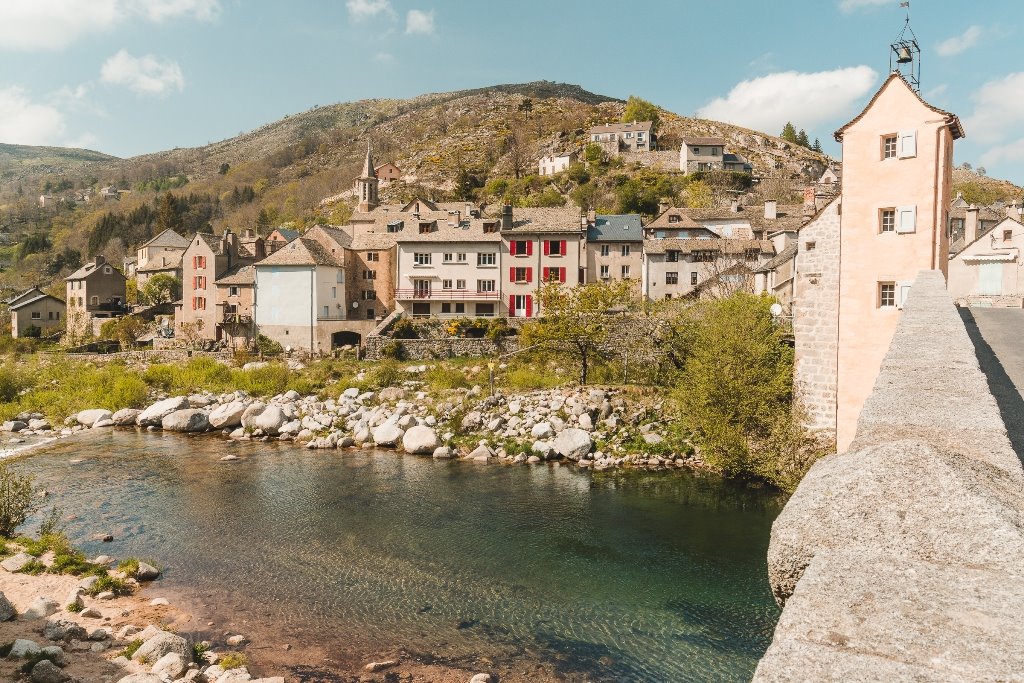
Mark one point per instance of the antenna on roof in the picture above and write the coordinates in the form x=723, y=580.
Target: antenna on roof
x=905, y=53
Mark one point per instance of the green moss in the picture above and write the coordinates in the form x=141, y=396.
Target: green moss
x=131, y=648
x=232, y=660
x=199, y=651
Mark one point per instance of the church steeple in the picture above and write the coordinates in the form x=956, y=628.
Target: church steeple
x=367, y=184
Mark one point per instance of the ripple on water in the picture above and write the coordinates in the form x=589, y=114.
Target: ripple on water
x=621, y=577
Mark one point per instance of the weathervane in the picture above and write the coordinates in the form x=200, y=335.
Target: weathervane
x=905, y=53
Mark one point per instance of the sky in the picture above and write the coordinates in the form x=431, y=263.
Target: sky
x=128, y=77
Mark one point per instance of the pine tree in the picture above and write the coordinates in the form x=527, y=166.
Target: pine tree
x=817, y=145
x=801, y=138
x=263, y=223
x=788, y=132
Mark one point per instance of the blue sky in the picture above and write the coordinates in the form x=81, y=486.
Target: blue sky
x=133, y=76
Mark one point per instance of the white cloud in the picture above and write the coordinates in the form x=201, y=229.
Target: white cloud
x=55, y=24
x=1011, y=152
x=83, y=141
x=961, y=43
x=936, y=92
x=807, y=99
x=384, y=58
x=148, y=74
x=853, y=5
x=998, y=109
x=418, y=21
x=359, y=10
x=25, y=122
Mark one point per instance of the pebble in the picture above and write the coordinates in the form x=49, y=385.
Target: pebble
x=157, y=602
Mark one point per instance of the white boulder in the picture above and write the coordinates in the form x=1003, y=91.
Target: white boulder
x=387, y=434
x=154, y=414
x=572, y=443
x=227, y=415
x=125, y=417
x=420, y=440
x=188, y=420
x=92, y=416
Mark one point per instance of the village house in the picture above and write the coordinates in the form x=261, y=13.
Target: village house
x=300, y=297
x=236, y=295
x=538, y=245
x=95, y=292
x=555, y=163
x=367, y=297
x=967, y=221
x=209, y=257
x=160, y=255
x=897, y=168
x=387, y=173
x=732, y=222
x=109, y=192
x=637, y=136
x=677, y=267
x=987, y=270
x=35, y=312
x=614, y=248
x=279, y=237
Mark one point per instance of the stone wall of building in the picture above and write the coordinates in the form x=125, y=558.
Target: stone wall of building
x=662, y=161
x=816, y=318
x=901, y=559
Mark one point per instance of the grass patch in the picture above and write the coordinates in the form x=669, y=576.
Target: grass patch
x=232, y=660
x=61, y=387
x=199, y=651
x=75, y=607
x=110, y=583
x=441, y=377
x=131, y=648
x=129, y=567
x=529, y=377
x=33, y=568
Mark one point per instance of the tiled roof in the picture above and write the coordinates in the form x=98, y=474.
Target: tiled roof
x=615, y=228
x=302, y=251
x=168, y=238
x=88, y=269
x=726, y=246
x=338, y=235
x=239, y=275
x=155, y=266
x=372, y=241
x=785, y=255
x=214, y=242
x=952, y=120
x=466, y=231
x=549, y=220
x=286, y=233
x=684, y=220
x=34, y=291
x=698, y=141
x=31, y=300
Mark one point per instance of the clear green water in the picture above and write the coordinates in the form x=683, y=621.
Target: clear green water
x=641, y=577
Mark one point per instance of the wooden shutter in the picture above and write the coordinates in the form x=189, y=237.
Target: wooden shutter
x=906, y=219
x=545, y=273
x=906, y=144
x=561, y=273
x=529, y=306
x=511, y=274
x=512, y=305
x=529, y=247
x=547, y=248
x=512, y=248
x=529, y=275
x=562, y=249
x=902, y=291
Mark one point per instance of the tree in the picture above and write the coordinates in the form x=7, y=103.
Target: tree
x=638, y=109
x=593, y=154
x=169, y=214
x=224, y=168
x=789, y=133
x=159, y=289
x=801, y=138
x=263, y=223
x=125, y=330
x=15, y=499
x=817, y=145
x=526, y=106
x=574, y=322
x=699, y=195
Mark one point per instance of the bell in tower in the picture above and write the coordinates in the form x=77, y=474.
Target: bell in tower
x=905, y=53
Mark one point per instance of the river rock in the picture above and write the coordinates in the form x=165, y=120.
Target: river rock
x=227, y=416
x=443, y=453
x=188, y=420
x=585, y=422
x=391, y=394
x=7, y=610
x=144, y=677
x=541, y=448
x=125, y=417
x=56, y=655
x=542, y=430
x=269, y=420
x=481, y=454
x=63, y=629
x=387, y=434
x=22, y=648
x=482, y=678
x=46, y=671
x=154, y=414
x=533, y=459
x=40, y=425
x=472, y=421
x=41, y=608
x=17, y=562
x=420, y=440
x=161, y=644
x=74, y=598
x=92, y=416
x=171, y=666
x=374, y=667
x=572, y=443
x=13, y=426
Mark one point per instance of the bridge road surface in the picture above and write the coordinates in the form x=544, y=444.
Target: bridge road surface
x=998, y=336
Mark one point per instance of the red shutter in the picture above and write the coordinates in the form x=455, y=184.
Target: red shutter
x=512, y=305
x=545, y=273
x=562, y=248
x=547, y=247
x=511, y=274
x=561, y=274
x=529, y=306
x=529, y=247
x=529, y=274
x=512, y=248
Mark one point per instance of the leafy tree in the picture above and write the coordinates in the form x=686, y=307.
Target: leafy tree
x=32, y=331
x=789, y=133
x=169, y=214
x=159, y=289
x=593, y=154
x=15, y=499
x=125, y=330
x=526, y=106
x=801, y=139
x=699, y=195
x=638, y=109
x=548, y=198
x=574, y=322
x=33, y=244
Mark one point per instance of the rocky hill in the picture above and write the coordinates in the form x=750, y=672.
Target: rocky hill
x=25, y=162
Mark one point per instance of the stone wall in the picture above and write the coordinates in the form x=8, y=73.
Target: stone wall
x=662, y=161
x=816, y=318
x=903, y=558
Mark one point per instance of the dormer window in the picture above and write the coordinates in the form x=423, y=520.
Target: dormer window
x=425, y=228
x=673, y=218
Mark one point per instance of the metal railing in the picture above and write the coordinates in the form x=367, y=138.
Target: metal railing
x=237, y=319
x=446, y=294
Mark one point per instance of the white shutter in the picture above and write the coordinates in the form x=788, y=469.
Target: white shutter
x=902, y=290
x=907, y=144
x=906, y=219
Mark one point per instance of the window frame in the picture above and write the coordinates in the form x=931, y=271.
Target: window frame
x=886, y=295
x=890, y=146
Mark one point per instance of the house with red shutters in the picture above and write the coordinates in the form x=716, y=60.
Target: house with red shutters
x=538, y=245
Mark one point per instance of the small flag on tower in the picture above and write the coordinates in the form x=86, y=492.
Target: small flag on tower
x=905, y=4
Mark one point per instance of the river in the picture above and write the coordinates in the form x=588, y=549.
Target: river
x=605, y=577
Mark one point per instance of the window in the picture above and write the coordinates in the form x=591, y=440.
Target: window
x=554, y=275
x=625, y=272
x=673, y=218
x=395, y=226
x=705, y=255
x=605, y=250
x=672, y=278
x=672, y=256
x=693, y=278
x=889, y=146
x=596, y=137
x=107, y=270
x=1007, y=235
x=809, y=246
x=36, y=315
x=714, y=151
x=668, y=297
x=460, y=308
x=370, y=314
x=421, y=259
x=49, y=315
x=554, y=247
x=521, y=305
x=369, y=295
x=334, y=292
x=461, y=258
x=425, y=228
x=446, y=284
x=95, y=301
x=460, y=284
x=520, y=247
x=339, y=276
x=485, y=310
x=448, y=258
x=486, y=259
x=906, y=219
x=888, y=220
x=887, y=294
x=485, y=285
x=199, y=262
x=696, y=151
x=605, y=272
x=369, y=274
x=446, y=307
x=198, y=303
x=629, y=136
x=626, y=250
x=327, y=312
x=752, y=254
x=520, y=275
x=490, y=227
x=233, y=290
x=372, y=256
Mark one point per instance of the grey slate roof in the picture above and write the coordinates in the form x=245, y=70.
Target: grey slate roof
x=239, y=275
x=168, y=238
x=21, y=303
x=302, y=252
x=785, y=255
x=616, y=228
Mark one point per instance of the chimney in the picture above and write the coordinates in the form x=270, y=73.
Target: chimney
x=506, y=217
x=971, y=224
x=735, y=208
x=469, y=210
x=591, y=216
x=808, y=196
x=771, y=209
x=99, y=260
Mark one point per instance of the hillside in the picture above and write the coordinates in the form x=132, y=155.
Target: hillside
x=22, y=162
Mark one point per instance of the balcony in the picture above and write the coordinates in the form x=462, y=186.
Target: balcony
x=420, y=294
x=236, y=319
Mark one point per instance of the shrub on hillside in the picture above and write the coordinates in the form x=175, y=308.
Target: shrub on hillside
x=15, y=500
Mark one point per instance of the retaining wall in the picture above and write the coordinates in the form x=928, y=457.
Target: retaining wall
x=903, y=558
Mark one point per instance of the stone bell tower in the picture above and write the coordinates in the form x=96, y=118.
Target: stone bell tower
x=367, y=184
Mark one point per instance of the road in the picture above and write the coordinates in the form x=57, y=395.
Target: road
x=998, y=336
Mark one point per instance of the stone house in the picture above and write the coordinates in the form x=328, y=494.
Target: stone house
x=614, y=248
x=895, y=202
x=95, y=291
x=236, y=295
x=987, y=271
x=674, y=267
x=538, y=245
x=708, y=154
x=555, y=163
x=637, y=136
x=387, y=173
x=732, y=222
x=300, y=297
x=967, y=221
x=207, y=259
x=160, y=255
x=279, y=237
x=35, y=308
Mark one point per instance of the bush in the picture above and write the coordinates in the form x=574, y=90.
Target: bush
x=393, y=350
x=232, y=660
x=110, y=583
x=33, y=568
x=129, y=567
x=404, y=329
x=32, y=331
x=15, y=500
x=268, y=346
x=199, y=651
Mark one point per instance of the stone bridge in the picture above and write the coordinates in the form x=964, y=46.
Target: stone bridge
x=903, y=558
